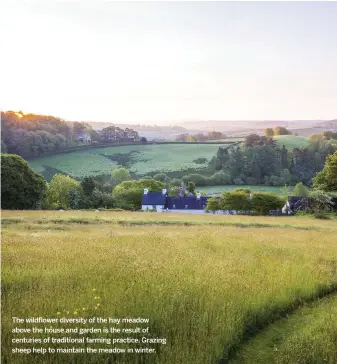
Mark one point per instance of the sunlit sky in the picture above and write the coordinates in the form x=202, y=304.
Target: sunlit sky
x=160, y=62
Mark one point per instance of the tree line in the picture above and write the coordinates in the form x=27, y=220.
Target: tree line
x=32, y=135
x=259, y=160
x=22, y=188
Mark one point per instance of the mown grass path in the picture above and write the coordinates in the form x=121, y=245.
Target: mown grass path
x=306, y=334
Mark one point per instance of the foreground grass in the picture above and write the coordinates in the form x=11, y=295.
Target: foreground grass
x=200, y=285
x=307, y=336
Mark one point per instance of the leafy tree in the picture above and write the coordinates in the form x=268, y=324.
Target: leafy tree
x=281, y=130
x=61, y=190
x=317, y=138
x=102, y=199
x=301, y=190
x=88, y=185
x=120, y=175
x=76, y=199
x=212, y=205
x=268, y=132
x=191, y=187
x=285, y=176
x=285, y=192
x=21, y=187
x=326, y=179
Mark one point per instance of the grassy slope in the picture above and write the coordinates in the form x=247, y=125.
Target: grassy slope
x=140, y=159
x=198, y=285
x=291, y=141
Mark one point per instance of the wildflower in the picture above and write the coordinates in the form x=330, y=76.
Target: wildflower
x=58, y=313
x=75, y=313
x=94, y=289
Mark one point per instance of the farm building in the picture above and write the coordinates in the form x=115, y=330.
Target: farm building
x=160, y=201
x=154, y=200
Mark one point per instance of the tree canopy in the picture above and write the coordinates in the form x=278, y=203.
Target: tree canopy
x=326, y=179
x=120, y=175
x=21, y=187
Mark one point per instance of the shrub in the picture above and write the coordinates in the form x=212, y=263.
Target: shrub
x=235, y=201
x=245, y=190
x=262, y=202
x=213, y=205
x=321, y=215
x=320, y=201
x=196, y=178
x=160, y=177
x=221, y=178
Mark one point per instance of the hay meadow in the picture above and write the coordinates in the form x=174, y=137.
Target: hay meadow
x=211, y=285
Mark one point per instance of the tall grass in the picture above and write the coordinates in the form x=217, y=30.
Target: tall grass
x=199, y=285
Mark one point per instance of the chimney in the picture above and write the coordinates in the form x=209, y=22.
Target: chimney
x=164, y=191
x=198, y=195
x=146, y=191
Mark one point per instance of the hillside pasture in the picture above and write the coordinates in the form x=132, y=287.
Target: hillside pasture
x=139, y=159
x=217, y=190
x=203, y=285
x=291, y=141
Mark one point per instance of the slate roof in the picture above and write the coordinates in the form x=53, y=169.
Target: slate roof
x=154, y=198
x=189, y=203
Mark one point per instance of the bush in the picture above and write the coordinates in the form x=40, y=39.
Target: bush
x=262, y=202
x=213, y=205
x=162, y=177
x=320, y=202
x=321, y=215
x=235, y=201
x=245, y=190
x=196, y=178
x=219, y=178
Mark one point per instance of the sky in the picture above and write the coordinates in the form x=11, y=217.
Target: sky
x=164, y=62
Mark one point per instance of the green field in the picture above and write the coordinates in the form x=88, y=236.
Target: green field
x=291, y=141
x=217, y=190
x=139, y=159
x=211, y=285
